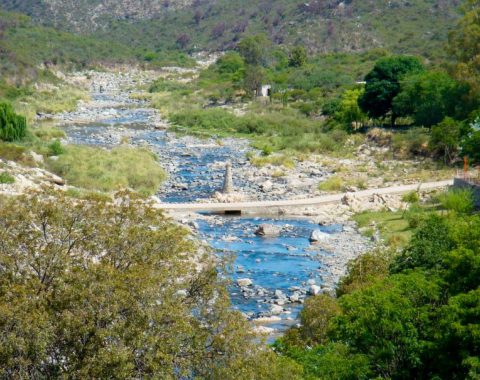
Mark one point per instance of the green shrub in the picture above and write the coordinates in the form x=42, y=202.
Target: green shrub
x=13, y=127
x=415, y=216
x=267, y=150
x=457, y=200
x=6, y=178
x=334, y=183
x=56, y=148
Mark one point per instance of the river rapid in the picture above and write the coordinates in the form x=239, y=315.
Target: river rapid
x=271, y=276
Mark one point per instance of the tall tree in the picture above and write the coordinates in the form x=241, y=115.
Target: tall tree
x=465, y=46
x=89, y=289
x=431, y=96
x=383, y=85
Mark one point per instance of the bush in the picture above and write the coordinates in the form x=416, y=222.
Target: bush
x=6, y=178
x=56, y=148
x=458, y=200
x=415, y=216
x=334, y=183
x=13, y=127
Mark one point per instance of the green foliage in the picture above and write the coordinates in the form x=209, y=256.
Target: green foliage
x=411, y=143
x=471, y=142
x=101, y=297
x=431, y=96
x=459, y=333
x=463, y=44
x=333, y=183
x=298, y=56
x=350, y=112
x=109, y=170
x=6, y=178
x=411, y=197
x=415, y=216
x=12, y=126
x=252, y=49
x=364, y=271
x=445, y=139
x=315, y=320
x=458, y=200
x=280, y=130
x=427, y=245
x=56, y=148
x=383, y=84
x=332, y=361
x=385, y=321
x=230, y=63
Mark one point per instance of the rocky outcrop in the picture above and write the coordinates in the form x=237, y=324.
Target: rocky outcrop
x=27, y=179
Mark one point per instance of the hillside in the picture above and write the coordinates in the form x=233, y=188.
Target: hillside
x=414, y=26
x=84, y=15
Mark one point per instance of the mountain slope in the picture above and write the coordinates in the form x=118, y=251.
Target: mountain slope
x=403, y=26
x=85, y=15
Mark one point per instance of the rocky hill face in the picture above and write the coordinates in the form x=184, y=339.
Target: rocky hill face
x=87, y=15
x=402, y=26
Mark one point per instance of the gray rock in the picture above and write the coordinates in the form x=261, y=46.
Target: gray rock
x=242, y=282
x=268, y=230
x=318, y=236
x=314, y=290
x=276, y=310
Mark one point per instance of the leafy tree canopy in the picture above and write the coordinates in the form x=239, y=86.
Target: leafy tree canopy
x=431, y=96
x=383, y=84
x=89, y=289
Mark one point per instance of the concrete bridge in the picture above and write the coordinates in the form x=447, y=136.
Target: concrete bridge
x=272, y=206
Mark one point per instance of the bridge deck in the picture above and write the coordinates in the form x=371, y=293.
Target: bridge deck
x=313, y=201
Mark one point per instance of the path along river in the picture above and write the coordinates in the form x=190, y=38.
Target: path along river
x=271, y=276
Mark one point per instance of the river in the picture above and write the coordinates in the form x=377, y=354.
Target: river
x=271, y=276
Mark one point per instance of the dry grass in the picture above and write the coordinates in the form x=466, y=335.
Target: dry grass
x=110, y=170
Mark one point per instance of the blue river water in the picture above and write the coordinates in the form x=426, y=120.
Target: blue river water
x=286, y=263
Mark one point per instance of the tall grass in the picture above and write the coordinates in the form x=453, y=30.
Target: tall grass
x=110, y=170
x=279, y=130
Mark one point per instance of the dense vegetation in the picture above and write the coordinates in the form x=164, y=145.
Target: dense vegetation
x=412, y=315
x=415, y=26
x=94, y=290
x=314, y=100
x=100, y=287
x=12, y=126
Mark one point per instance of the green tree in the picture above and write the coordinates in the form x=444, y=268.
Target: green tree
x=253, y=49
x=383, y=85
x=315, y=319
x=252, y=82
x=97, y=289
x=445, y=139
x=465, y=47
x=298, y=56
x=431, y=96
x=230, y=63
x=429, y=243
x=350, y=112
x=471, y=142
x=364, y=271
x=386, y=322
x=12, y=126
x=328, y=362
x=459, y=337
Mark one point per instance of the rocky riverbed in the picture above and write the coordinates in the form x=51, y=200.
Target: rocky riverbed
x=273, y=271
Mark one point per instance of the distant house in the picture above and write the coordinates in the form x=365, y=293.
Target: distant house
x=265, y=91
